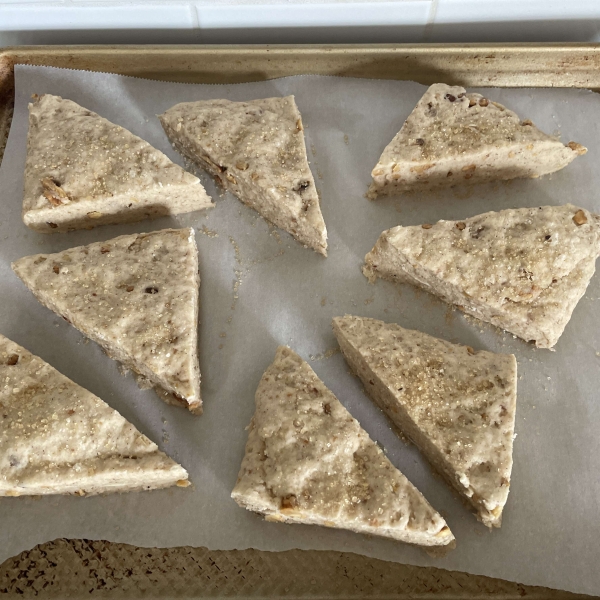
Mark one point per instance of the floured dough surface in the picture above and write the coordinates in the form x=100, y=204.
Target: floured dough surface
x=456, y=404
x=521, y=269
x=453, y=137
x=83, y=171
x=255, y=150
x=135, y=295
x=58, y=438
x=308, y=461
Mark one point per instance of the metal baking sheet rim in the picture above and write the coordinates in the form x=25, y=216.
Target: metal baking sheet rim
x=502, y=65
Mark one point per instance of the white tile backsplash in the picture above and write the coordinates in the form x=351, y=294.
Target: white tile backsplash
x=308, y=23
x=27, y=23
x=17, y=17
x=477, y=11
x=310, y=15
x=296, y=21
x=515, y=21
x=29, y=2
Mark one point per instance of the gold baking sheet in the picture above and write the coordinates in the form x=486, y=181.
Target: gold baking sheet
x=77, y=568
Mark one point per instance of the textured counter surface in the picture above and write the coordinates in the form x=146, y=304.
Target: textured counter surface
x=82, y=568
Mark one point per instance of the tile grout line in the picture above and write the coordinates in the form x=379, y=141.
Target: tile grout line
x=428, y=30
x=205, y=3
x=195, y=14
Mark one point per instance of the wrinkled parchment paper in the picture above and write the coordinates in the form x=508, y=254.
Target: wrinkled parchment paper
x=260, y=288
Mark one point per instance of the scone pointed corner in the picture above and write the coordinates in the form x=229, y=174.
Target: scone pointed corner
x=308, y=461
x=508, y=268
x=455, y=137
x=83, y=171
x=256, y=150
x=44, y=412
x=193, y=405
x=456, y=404
x=135, y=295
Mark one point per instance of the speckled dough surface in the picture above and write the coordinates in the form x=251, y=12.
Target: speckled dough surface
x=58, y=438
x=521, y=269
x=255, y=150
x=83, y=171
x=308, y=461
x=136, y=296
x=454, y=137
x=456, y=404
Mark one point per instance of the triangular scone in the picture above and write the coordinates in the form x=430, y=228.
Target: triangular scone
x=83, y=171
x=453, y=136
x=455, y=404
x=136, y=296
x=58, y=438
x=523, y=270
x=256, y=151
x=308, y=461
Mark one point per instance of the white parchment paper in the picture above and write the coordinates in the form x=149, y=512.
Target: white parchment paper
x=260, y=289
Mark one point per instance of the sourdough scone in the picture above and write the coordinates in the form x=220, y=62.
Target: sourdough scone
x=456, y=404
x=83, y=171
x=523, y=270
x=453, y=137
x=136, y=296
x=255, y=150
x=308, y=461
x=58, y=438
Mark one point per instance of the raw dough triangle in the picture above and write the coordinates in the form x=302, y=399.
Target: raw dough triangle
x=455, y=404
x=83, y=171
x=308, y=461
x=58, y=438
x=136, y=296
x=521, y=269
x=453, y=136
x=256, y=151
